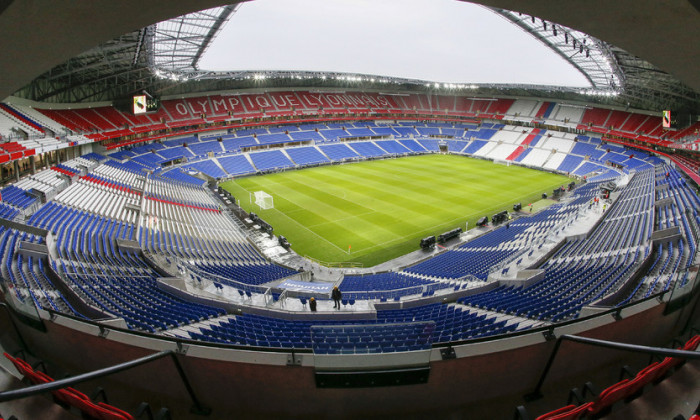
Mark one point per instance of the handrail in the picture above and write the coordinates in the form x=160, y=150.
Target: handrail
x=212, y=277
x=183, y=341
x=336, y=264
x=657, y=351
x=565, y=222
x=197, y=408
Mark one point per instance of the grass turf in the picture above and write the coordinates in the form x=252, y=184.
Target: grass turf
x=382, y=208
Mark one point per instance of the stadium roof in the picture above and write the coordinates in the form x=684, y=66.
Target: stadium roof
x=179, y=43
x=163, y=59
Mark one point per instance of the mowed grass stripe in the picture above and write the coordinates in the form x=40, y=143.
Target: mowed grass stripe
x=451, y=180
x=398, y=190
x=363, y=231
x=317, y=206
x=363, y=235
x=384, y=195
x=382, y=208
x=371, y=187
x=380, y=203
x=331, y=208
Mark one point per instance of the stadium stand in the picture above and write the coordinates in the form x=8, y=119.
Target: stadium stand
x=270, y=160
x=338, y=152
x=118, y=243
x=182, y=224
x=236, y=165
x=92, y=201
x=303, y=156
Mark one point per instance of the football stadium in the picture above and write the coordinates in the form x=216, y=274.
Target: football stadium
x=181, y=242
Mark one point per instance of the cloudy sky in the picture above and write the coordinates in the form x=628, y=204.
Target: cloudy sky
x=434, y=40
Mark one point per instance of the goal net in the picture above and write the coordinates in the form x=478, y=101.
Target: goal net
x=264, y=200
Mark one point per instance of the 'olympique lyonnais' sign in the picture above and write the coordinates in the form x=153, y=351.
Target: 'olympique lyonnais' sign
x=220, y=104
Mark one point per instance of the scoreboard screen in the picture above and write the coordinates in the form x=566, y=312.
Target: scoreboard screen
x=139, y=104
x=666, y=121
x=677, y=120
x=142, y=104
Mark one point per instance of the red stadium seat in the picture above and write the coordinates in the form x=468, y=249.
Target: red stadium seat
x=109, y=412
x=570, y=412
x=672, y=362
x=643, y=377
x=692, y=343
x=70, y=396
x=28, y=372
x=608, y=397
x=20, y=364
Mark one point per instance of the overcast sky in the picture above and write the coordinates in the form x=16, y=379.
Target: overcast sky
x=433, y=40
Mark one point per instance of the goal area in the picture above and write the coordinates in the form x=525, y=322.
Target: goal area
x=264, y=200
x=501, y=162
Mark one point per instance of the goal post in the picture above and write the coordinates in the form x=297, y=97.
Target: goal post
x=264, y=200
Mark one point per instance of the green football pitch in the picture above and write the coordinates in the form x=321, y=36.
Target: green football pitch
x=370, y=212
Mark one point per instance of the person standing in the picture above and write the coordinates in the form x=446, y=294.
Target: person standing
x=312, y=304
x=336, y=295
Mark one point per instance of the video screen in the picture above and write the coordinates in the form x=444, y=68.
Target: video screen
x=139, y=104
x=666, y=123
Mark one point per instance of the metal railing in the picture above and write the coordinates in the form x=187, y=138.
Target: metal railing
x=197, y=407
x=566, y=221
x=336, y=264
x=654, y=351
x=202, y=275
